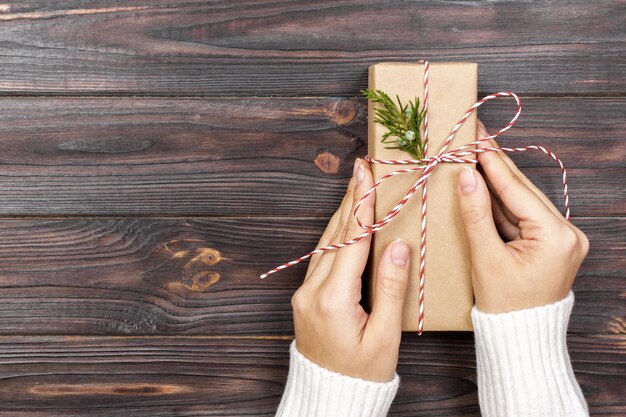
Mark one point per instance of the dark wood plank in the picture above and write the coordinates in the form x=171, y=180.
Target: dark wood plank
x=177, y=47
x=192, y=376
x=200, y=276
x=259, y=156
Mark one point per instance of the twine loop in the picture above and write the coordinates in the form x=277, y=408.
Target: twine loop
x=463, y=154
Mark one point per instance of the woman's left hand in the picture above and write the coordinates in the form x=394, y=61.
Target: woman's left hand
x=332, y=329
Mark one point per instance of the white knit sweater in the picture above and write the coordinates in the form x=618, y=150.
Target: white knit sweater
x=522, y=363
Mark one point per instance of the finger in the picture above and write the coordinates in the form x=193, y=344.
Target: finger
x=507, y=213
x=329, y=235
x=482, y=133
x=475, y=208
x=350, y=260
x=508, y=231
x=325, y=239
x=514, y=195
x=392, y=278
x=325, y=259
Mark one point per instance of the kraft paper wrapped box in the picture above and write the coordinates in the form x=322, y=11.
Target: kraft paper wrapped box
x=448, y=289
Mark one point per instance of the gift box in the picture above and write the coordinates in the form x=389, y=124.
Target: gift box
x=448, y=288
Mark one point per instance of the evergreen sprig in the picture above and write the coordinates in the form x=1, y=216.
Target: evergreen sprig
x=401, y=121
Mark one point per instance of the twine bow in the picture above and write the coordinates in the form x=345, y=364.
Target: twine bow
x=462, y=154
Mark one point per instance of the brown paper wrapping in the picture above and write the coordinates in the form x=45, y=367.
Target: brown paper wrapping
x=448, y=290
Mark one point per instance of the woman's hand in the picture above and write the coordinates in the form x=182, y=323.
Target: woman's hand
x=524, y=253
x=332, y=329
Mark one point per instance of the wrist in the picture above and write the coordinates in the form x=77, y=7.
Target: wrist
x=312, y=390
x=498, y=300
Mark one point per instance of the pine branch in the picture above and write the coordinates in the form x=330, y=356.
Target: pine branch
x=402, y=122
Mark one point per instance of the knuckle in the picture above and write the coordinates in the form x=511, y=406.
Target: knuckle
x=512, y=182
x=295, y=301
x=325, y=307
x=568, y=241
x=393, y=287
x=339, y=229
x=583, y=241
x=299, y=301
x=584, y=244
x=352, y=228
x=326, y=303
x=473, y=214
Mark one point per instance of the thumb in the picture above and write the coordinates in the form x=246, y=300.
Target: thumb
x=392, y=278
x=475, y=207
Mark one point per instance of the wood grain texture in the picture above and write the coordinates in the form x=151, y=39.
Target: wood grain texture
x=137, y=220
x=261, y=156
x=176, y=47
x=200, y=276
x=194, y=376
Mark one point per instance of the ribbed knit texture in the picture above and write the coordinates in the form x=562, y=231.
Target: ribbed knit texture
x=313, y=391
x=523, y=366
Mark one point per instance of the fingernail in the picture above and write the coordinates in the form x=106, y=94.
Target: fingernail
x=357, y=162
x=467, y=180
x=358, y=171
x=399, y=252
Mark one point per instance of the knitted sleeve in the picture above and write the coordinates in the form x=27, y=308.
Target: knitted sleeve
x=523, y=365
x=313, y=391
x=523, y=368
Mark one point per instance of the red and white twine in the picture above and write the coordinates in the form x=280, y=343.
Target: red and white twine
x=427, y=165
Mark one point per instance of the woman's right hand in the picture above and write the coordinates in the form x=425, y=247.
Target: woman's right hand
x=524, y=253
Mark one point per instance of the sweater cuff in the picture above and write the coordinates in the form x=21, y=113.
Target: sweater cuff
x=523, y=365
x=313, y=391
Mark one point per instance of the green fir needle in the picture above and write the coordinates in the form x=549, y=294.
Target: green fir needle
x=403, y=122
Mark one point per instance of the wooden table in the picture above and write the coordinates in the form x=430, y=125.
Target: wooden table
x=156, y=156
